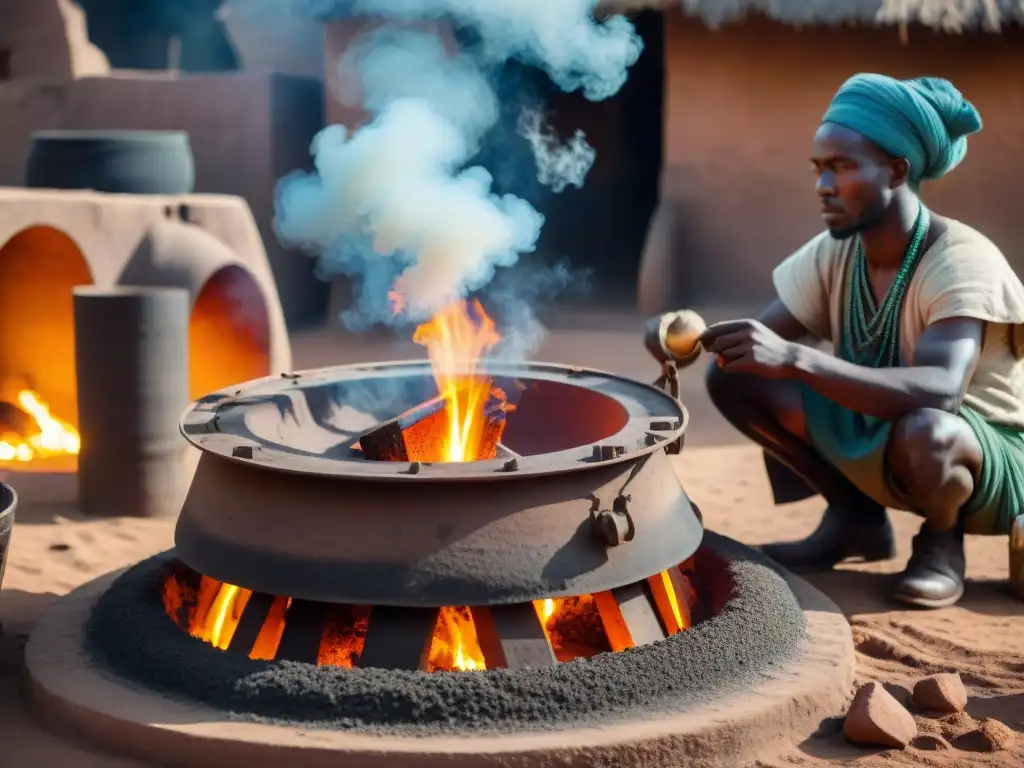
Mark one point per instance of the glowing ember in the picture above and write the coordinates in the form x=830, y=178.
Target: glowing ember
x=210, y=610
x=545, y=609
x=52, y=436
x=220, y=622
x=673, y=599
x=457, y=338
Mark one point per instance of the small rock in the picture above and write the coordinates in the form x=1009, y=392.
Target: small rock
x=875, y=717
x=941, y=693
x=990, y=736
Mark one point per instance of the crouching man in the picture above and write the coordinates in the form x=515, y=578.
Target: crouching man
x=921, y=405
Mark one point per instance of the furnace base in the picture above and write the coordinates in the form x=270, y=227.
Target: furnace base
x=729, y=688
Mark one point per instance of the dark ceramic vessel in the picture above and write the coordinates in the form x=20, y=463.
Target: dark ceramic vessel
x=125, y=162
x=8, y=503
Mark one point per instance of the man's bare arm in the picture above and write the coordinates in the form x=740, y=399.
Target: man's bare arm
x=779, y=319
x=944, y=362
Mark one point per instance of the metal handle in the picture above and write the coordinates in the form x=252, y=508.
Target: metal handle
x=614, y=526
x=669, y=383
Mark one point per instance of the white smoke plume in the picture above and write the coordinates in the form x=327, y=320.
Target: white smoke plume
x=558, y=165
x=394, y=203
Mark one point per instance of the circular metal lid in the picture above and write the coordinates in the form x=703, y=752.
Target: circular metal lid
x=566, y=419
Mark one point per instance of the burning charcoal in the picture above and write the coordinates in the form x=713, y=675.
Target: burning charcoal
x=344, y=635
x=424, y=433
x=577, y=623
x=425, y=438
x=390, y=441
x=490, y=438
x=15, y=421
x=180, y=593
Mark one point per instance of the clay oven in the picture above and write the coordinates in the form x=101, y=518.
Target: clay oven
x=52, y=241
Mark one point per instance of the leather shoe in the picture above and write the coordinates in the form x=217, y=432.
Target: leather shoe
x=934, y=577
x=841, y=535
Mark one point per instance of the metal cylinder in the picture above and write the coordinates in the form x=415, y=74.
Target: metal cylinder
x=8, y=505
x=131, y=358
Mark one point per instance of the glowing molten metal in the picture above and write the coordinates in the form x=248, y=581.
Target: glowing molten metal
x=52, y=436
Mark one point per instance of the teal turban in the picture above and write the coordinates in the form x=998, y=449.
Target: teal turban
x=925, y=120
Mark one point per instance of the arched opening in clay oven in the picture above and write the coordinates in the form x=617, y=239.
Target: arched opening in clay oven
x=39, y=267
x=229, y=332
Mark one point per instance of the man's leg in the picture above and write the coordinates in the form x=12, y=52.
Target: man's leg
x=771, y=414
x=936, y=458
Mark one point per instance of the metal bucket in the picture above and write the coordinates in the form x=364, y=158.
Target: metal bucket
x=8, y=503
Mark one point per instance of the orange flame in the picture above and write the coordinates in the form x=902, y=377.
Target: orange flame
x=210, y=610
x=457, y=340
x=54, y=436
x=545, y=610
x=455, y=645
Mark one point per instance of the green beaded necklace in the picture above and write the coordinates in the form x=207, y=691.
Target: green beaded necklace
x=872, y=333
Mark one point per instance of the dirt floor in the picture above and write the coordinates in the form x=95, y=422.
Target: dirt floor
x=982, y=638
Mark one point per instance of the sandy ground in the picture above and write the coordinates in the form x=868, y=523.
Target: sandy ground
x=54, y=550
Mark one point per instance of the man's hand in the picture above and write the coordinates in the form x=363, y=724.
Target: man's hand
x=748, y=346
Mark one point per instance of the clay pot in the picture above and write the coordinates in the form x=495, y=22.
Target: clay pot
x=125, y=162
x=8, y=503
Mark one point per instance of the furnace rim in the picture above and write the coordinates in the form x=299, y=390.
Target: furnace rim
x=216, y=423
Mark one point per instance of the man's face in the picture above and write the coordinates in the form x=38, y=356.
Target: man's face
x=855, y=180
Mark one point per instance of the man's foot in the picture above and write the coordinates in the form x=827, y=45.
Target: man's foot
x=934, y=577
x=841, y=535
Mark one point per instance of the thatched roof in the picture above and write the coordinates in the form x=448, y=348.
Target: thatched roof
x=947, y=15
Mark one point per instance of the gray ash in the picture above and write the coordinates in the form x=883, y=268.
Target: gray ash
x=759, y=626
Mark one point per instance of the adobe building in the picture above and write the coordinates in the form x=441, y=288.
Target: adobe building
x=701, y=182
x=741, y=104
x=700, y=185
x=250, y=108
x=52, y=240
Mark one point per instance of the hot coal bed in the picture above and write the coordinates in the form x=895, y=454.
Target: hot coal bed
x=334, y=572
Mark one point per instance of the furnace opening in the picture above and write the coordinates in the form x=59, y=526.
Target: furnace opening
x=38, y=402
x=229, y=341
x=229, y=332
x=253, y=624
